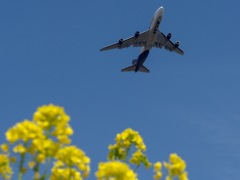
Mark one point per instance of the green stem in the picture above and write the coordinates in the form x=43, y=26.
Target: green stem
x=127, y=153
x=46, y=169
x=20, y=174
x=36, y=169
x=70, y=173
x=44, y=175
x=135, y=170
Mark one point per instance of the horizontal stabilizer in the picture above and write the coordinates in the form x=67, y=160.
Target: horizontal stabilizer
x=144, y=69
x=128, y=69
x=133, y=68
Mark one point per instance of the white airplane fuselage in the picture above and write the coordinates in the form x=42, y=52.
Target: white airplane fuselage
x=154, y=28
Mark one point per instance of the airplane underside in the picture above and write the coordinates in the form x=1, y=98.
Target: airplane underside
x=153, y=37
x=138, y=63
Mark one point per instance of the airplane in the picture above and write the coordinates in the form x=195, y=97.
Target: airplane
x=153, y=37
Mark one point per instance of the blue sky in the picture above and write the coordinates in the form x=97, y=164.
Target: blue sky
x=189, y=104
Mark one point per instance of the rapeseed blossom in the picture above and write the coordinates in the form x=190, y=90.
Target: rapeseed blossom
x=73, y=161
x=139, y=158
x=5, y=169
x=31, y=139
x=124, y=141
x=44, y=148
x=24, y=131
x=54, y=121
x=49, y=116
x=65, y=174
x=5, y=160
x=4, y=148
x=130, y=137
x=19, y=149
x=40, y=138
x=157, y=170
x=176, y=167
x=115, y=170
x=44, y=139
x=183, y=176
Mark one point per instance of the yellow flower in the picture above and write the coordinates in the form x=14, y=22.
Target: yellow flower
x=157, y=176
x=130, y=137
x=41, y=158
x=31, y=164
x=176, y=166
x=65, y=174
x=50, y=115
x=117, y=152
x=63, y=139
x=4, y=148
x=54, y=121
x=124, y=141
x=139, y=158
x=157, y=169
x=183, y=176
x=71, y=156
x=24, y=131
x=169, y=178
x=115, y=170
x=19, y=149
x=157, y=166
x=62, y=130
x=46, y=147
x=5, y=169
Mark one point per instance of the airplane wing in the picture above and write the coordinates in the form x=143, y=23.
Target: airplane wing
x=163, y=41
x=138, y=41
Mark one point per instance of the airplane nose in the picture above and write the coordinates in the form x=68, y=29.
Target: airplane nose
x=159, y=11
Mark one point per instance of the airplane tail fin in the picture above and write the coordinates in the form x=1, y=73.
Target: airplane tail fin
x=133, y=68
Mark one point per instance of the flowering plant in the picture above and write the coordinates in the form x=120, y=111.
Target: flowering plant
x=46, y=139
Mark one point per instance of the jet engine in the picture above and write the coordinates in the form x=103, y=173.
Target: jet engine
x=169, y=36
x=177, y=44
x=120, y=41
x=134, y=61
x=136, y=34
